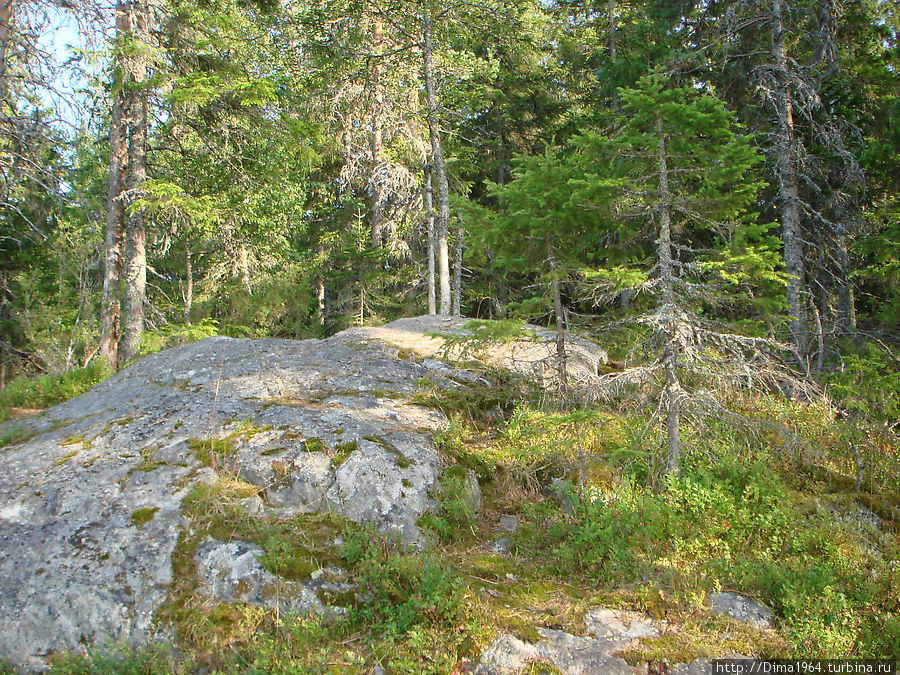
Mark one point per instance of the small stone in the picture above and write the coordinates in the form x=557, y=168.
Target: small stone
x=471, y=491
x=253, y=506
x=620, y=626
x=505, y=655
x=741, y=609
x=508, y=524
x=500, y=546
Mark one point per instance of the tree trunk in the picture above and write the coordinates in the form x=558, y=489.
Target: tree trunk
x=788, y=190
x=244, y=267
x=5, y=334
x=376, y=144
x=611, y=9
x=6, y=162
x=188, y=283
x=6, y=14
x=672, y=393
x=820, y=337
x=429, y=221
x=110, y=299
x=457, y=268
x=560, y=317
x=437, y=154
x=320, y=287
x=136, y=175
x=846, y=310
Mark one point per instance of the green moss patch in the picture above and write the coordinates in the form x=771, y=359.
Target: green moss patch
x=76, y=440
x=313, y=445
x=142, y=516
x=342, y=452
x=212, y=451
x=65, y=458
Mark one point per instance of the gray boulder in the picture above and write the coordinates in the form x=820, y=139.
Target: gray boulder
x=231, y=571
x=741, y=609
x=609, y=631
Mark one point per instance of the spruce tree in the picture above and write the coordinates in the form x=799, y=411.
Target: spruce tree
x=680, y=177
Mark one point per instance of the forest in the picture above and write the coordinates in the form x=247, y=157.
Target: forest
x=708, y=189
x=254, y=169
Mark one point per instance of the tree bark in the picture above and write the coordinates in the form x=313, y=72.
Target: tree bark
x=110, y=298
x=846, y=310
x=457, y=267
x=672, y=392
x=188, y=283
x=788, y=190
x=611, y=10
x=820, y=337
x=136, y=175
x=440, y=171
x=376, y=144
x=5, y=334
x=429, y=222
x=320, y=287
x=560, y=318
x=6, y=14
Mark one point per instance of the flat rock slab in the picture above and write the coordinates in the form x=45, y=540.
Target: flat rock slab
x=90, y=500
x=620, y=626
x=610, y=630
x=534, y=355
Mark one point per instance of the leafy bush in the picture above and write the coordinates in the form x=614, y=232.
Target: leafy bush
x=405, y=589
x=44, y=391
x=173, y=334
x=868, y=382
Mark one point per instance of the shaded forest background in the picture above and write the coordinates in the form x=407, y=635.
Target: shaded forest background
x=264, y=169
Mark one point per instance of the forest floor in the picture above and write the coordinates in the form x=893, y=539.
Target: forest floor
x=571, y=514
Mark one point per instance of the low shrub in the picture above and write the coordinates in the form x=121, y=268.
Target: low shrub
x=44, y=391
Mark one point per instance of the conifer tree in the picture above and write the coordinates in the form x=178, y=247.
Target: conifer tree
x=679, y=173
x=541, y=230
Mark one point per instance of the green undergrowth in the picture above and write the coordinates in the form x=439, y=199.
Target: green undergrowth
x=13, y=435
x=767, y=505
x=115, y=660
x=409, y=611
x=776, y=501
x=43, y=391
x=174, y=334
